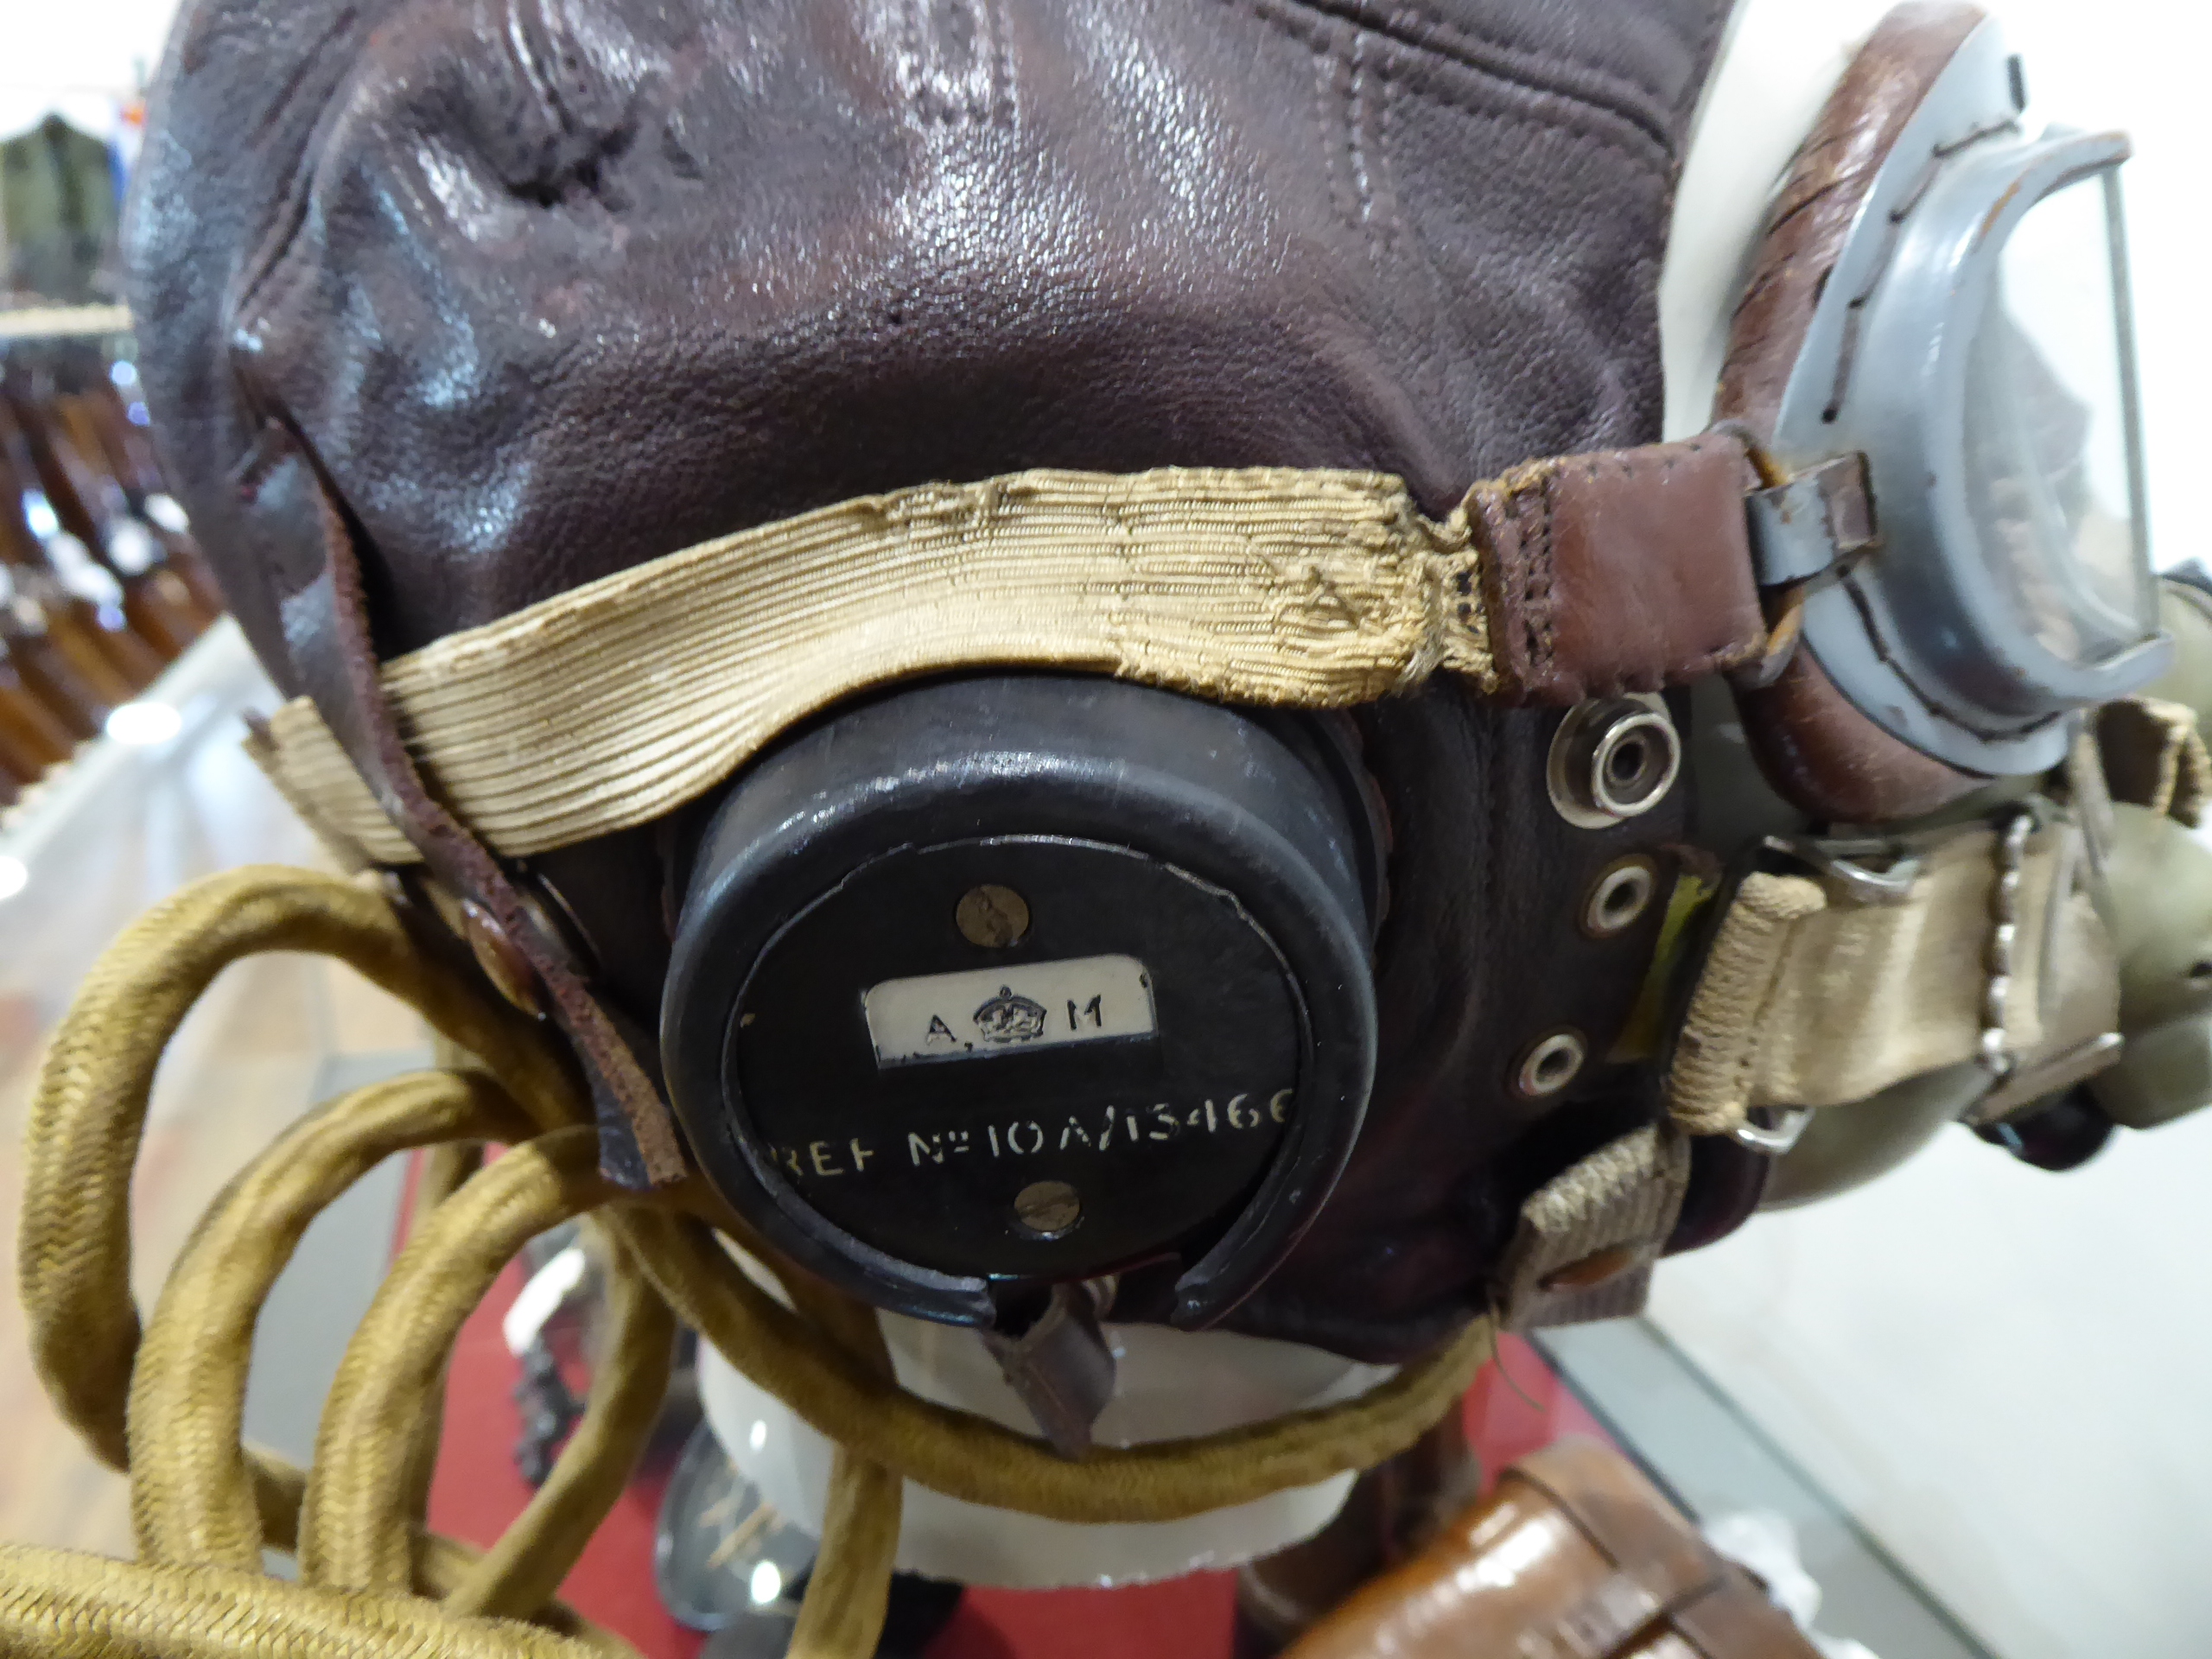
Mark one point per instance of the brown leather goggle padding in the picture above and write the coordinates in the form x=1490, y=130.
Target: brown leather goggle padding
x=1814, y=745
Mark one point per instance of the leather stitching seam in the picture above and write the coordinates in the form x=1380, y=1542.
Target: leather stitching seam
x=1529, y=68
x=1325, y=63
x=1549, y=647
x=1651, y=152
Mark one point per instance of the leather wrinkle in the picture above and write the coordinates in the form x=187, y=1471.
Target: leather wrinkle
x=290, y=218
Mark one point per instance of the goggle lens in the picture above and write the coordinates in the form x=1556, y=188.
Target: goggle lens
x=2053, y=462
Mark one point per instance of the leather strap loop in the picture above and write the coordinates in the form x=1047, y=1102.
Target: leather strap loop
x=327, y=633
x=1629, y=570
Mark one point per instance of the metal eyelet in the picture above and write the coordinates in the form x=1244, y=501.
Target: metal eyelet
x=1620, y=895
x=1611, y=760
x=1551, y=1063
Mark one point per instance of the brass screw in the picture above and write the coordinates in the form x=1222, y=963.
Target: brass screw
x=1048, y=1209
x=992, y=916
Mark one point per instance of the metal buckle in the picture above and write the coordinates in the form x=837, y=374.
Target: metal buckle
x=1843, y=862
x=1816, y=521
x=1805, y=531
x=1790, y=1125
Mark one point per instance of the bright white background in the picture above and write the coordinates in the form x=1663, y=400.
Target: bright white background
x=77, y=56
x=2005, y=1374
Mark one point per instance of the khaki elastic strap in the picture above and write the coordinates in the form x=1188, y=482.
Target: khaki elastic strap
x=1809, y=999
x=609, y=705
x=612, y=703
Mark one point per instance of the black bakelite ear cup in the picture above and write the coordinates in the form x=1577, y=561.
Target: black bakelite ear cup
x=1003, y=981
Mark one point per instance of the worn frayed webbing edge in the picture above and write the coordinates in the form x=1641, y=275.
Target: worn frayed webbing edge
x=611, y=704
x=1708, y=1089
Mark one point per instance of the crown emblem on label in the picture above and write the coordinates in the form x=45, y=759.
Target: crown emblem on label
x=1009, y=1018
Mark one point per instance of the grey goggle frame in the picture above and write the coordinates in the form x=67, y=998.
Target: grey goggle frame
x=1914, y=627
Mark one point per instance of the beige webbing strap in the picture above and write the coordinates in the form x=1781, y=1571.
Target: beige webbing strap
x=1810, y=997
x=611, y=704
x=1718, y=1046
x=1586, y=1241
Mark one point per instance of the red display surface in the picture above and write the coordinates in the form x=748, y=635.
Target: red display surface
x=477, y=1492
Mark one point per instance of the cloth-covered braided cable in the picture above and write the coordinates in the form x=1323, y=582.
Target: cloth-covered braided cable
x=165, y=1404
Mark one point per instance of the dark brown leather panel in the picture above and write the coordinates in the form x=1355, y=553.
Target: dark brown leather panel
x=550, y=288
x=1480, y=953
x=1814, y=745
x=1626, y=571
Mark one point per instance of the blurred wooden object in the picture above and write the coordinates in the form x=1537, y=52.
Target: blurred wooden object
x=1575, y=1555
x=89, y=506
x=31, y=738
x=81, y=602
x=102, y=425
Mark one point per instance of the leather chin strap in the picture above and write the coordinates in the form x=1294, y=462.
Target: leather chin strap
x=327, y=633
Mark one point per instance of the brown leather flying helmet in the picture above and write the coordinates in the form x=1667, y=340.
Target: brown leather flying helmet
x=1060, y=622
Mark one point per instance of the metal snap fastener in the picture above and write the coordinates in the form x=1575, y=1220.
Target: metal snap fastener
x=1622, y=893
x=1612, y=759
x=1551, y=1064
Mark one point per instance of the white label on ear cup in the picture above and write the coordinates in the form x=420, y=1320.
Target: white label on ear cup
x=1006, y=1010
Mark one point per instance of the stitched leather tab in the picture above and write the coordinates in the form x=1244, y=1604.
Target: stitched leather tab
x=1625, y=571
